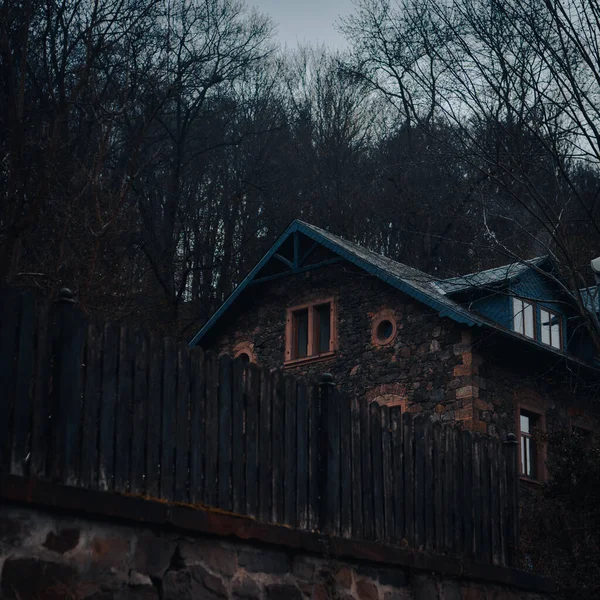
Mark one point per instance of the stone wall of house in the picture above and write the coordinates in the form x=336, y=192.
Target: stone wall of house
x=426, y=367
x=509, y=373
x=52, y=556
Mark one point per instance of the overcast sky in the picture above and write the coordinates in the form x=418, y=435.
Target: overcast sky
x=305, y=21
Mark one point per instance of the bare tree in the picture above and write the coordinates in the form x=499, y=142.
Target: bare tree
x=518, y=84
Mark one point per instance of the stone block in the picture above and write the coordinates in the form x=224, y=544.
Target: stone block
x=283, y=591
x=343, y=577
x=32, y=578
x=245, y=587
x=462, y=370
x=137, y=579
x=425, y=588
x=366, y=590
x=63, y=541
x=450, y=591
x=153, y=554
x=398, y=595
x=472, y=592
x=468, y=391
x=212, y=554
x=11, y=530
x=214, y=584
x=303, y=568
x=193, y=582
x=113, y=550
x=264, y=561
x=393, y=577
x=319, y=592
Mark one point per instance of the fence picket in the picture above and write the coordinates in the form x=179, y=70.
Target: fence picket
x=367, y=473
x=303, y=453
x=252, y=398
x=154, y=417
x=238, y=445
x=398, y=460
x=211, y=454
x=278, y=411
x=110, y=353
x=408, y=489
x=167, y=459
x=388, y=474
x=357, y=481
x=23, y=375
x=314, y=424
x=197, y=424
x=265, y=490
x=9, y=331
x=225, y=431
x=40, y=433
x=123, y=423
x=91, y=408
x=377, y=471
x=346, y=467
x=139, y=413
x=182, y=424
x=290, y=452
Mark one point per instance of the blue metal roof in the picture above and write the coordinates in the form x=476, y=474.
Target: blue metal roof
x=490, y=277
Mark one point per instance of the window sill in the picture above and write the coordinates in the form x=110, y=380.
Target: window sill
x=535, y=482
x=309, y=359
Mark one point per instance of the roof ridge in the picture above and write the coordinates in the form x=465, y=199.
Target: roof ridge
x=527, y=261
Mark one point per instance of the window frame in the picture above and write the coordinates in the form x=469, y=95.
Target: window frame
x=533, y=305
x=291, y=336
x=552, y=313
x=540, y=426
x=537, y=309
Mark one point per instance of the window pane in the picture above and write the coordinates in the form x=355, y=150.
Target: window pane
x=518, y=315
x=532, y=459
x=545, y=317
x=555, y=331
x=525, y=424
x=528, y=317
x=523, y=456
x=301, y=330
x=323, y=327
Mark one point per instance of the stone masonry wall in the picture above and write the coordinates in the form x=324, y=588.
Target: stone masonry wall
x=52, y=556
x=427, y=367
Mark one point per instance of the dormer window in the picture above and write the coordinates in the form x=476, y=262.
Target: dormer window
x=551, y=328
x=523, y=317
x=537, y=322
x=310, y=331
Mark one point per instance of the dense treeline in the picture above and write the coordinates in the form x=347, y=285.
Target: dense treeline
x=151, y=150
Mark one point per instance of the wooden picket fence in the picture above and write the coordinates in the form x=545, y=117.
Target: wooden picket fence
x=100, y=406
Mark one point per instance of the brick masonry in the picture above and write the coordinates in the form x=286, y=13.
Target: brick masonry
x=52, y=556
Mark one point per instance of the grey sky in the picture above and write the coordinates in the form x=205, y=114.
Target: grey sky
x=302, y=21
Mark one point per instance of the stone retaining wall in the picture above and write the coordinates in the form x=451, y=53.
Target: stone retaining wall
x=55, y=556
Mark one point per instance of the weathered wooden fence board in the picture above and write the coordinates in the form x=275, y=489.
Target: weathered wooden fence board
x=197, y=425
x=23, y=376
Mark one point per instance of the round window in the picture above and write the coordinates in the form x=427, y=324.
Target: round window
x=385, y=330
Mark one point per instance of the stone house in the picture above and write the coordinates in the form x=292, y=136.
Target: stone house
x=498, y=351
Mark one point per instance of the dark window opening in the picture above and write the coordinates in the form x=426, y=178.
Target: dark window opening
x=529, y=454
x=385, y=330
x=300, y=347
x=322, y=316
